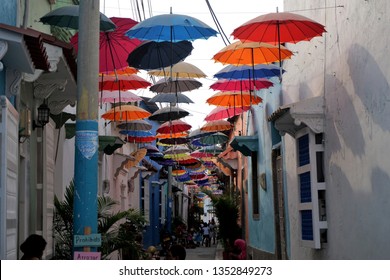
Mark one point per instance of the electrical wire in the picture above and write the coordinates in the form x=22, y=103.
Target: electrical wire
x=225, y=39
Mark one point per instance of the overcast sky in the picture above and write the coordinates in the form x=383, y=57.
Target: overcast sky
x=229, y=14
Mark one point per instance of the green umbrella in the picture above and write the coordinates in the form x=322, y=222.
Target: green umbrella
x=215, y=138
x=68, y=17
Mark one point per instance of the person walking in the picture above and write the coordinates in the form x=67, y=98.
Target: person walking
x=33, y=247
x=206, y=235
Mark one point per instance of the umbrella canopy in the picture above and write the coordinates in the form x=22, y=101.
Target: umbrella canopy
x=123, y=71
x=122, y=82
x=171, y=98
x=151, y=149
x=174, y=126
x=125, y=113
x=251, y=53
x=199, y=154
x=233, y=99
x=171, y=27
x=140, y=139
x=168, y=113
x=197, y=133
x=241, y=85
x=177, y=85
x=171, y=135
x=277, y=28
x=136, y=133
x=248, y=72
x=213, y=149
x=138, y=156
x=179, y=70
x=114, y=46
x=153, y=55
x=220, y=112
x=135, y=125
x=173, y=141
x=216, y=138
x=177, y=149
x=116, y=96
x=68, y=17
x=220, y=125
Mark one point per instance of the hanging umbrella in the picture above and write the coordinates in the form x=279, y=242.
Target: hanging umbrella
x=135, y=125
x=68, y=17
x=173, y=127
x=116, y=96
x=168, y=113
x=171, y=135
x=153, y=55
x=197, y=133
x=125, y=113
x=233, y=99
x=197, y=143
x=114, y=46
x=214, y=149
x=123, y=71
x=136, y=133
x=216, y=138
x=220, y=125
x=173, y=141
x=171, y=98
x=277, y=28
x=251, y=53
x=140, y=139
x=177, y=85
x=177, y=149
x=138, y=156
x=243, y=72
x=171, y=27
x=241, y=85
x=122, y=82
x=219, y=113
x=151, y=149
x=179, y=70
x=199, y=154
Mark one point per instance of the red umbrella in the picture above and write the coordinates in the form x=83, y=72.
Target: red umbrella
x=278, y=28
x=114, y=46
x=220, y=112
x=241, y=85
x=122, y=82
x=173, y=127
x=140, y=139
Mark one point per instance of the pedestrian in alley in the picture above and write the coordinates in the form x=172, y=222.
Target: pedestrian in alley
x=33, y=247
x=206, y=235
x=177, y=252
x=239, y=250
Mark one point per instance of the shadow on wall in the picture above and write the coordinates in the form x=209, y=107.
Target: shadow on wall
x=345, y=123
x=359, y=230
x=371, y=85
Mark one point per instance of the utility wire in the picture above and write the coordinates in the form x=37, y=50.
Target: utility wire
x=225, y=39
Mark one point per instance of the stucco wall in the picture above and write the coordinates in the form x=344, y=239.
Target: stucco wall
x=349, y=66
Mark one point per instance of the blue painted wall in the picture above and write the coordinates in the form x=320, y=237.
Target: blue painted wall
x=262, y=230
x=8, y=11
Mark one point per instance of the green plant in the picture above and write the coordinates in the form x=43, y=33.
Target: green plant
x=116, y=236
x=227, y=212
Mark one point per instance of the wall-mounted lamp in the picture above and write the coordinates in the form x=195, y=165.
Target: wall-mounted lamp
x=43, y=116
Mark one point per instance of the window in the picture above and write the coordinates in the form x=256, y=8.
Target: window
x=311, y=188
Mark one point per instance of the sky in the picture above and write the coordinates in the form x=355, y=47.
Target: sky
x=229, y=14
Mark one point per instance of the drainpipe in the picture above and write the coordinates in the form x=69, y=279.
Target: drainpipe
x=26, y=13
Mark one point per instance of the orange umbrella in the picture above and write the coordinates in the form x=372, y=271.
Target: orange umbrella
x=122, y=82
x=124, y=71
x=126, y=113
x=251, y=53
x=138, y=156
x=220, y=125
x=171, y=135
x=234, y=99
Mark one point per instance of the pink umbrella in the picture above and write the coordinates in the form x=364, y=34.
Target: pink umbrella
x=220, y=112
x=241, y=85
x=114, y=96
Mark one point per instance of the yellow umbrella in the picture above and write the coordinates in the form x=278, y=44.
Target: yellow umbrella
x=138, y=156
x=179, y=70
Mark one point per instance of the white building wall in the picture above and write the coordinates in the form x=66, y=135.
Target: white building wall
x=349, y=67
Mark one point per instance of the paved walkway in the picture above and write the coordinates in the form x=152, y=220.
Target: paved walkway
x=214, y=252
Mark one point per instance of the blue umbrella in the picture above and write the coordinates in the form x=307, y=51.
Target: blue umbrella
x=171, y=27
x=153, y=55
x=136, y=133
x=232, y=72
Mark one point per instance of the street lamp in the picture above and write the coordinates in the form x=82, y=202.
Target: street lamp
x=43, y=116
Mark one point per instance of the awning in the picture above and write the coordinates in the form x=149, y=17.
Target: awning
x=108, y=144
x=245, y=144
x=293, y=117
x=229, y=157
